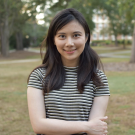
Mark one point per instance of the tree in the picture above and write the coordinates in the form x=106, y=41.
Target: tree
x=8, y=10
x=109, y=8
x=19, y=22
x=125, y=30
x=86, y=8
x=127, y=8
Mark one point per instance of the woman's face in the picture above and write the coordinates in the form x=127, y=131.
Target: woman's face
x=70, y=42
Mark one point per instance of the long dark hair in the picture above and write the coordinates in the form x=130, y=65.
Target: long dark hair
x=89, y=60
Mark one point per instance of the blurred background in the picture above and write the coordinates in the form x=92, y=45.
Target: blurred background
x=24, y=25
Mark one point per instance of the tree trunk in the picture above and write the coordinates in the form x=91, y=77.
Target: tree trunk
x=4, y=31
x=35, y=37
x=132, y=60
x=116, y=41
x=19, y=41
x=124, y=45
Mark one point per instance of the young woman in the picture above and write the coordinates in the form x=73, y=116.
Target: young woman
x=68, y=94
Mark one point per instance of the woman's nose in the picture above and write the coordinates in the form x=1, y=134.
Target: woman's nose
x=69, y=42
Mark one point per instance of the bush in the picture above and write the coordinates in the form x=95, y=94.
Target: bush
x=126, y=42
x=100, y=42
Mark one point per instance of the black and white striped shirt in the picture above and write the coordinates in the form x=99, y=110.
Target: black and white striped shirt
x=67, y=103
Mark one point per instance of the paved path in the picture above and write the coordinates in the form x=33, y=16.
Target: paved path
x=114, y=54
x=19, y=61
x=111, y=55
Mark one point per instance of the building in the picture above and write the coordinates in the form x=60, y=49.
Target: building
x=102, y=22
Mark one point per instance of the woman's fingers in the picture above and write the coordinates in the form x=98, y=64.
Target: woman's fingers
x=103, y=118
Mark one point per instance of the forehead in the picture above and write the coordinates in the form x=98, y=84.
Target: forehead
x=72, y=27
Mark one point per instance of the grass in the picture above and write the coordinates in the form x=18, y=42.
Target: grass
x=126, y=86
x=121, y=110
x=14, y=118
x=125, y=54
x=14, y=112
x=102, y=50
x=13, y=101
x=108, y=60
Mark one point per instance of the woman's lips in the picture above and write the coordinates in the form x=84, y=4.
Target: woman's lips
x=69, y=51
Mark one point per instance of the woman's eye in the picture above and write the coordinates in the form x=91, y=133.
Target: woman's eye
x=76, y=35
x=62, y=36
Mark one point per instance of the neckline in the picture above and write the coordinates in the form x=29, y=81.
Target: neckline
x=70, y=68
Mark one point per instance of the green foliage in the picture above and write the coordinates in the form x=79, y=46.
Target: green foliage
x=100, y=42
x=86, y=8
x=126, y=42
x=9, y=8
x=35, y=33
x=118, y=24
x=127, y=8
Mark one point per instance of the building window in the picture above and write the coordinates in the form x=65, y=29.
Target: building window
x=99, y=17
x=129, y=37
x=122, y=37
x=100, y=26
x=105, y=17
x=106, y=36
x=94, y=17
x=105, y=25
x=100, y=37
x=94, y=36
x=113, y=37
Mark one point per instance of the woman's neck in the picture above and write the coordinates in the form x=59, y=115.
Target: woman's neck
x=70, y=63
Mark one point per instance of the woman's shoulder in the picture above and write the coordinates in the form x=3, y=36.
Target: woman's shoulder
x=39, y=69
x=39, y=72
x=36, y=77
x=100, y=73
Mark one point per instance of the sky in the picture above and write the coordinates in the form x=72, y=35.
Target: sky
x=40, y=16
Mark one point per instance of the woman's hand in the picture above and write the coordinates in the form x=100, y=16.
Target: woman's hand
x=97, y=126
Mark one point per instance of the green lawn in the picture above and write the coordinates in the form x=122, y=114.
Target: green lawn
x=108, y=60
x=103, y=49
x=14, y=118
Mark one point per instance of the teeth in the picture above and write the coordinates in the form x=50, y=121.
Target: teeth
x=70, y=51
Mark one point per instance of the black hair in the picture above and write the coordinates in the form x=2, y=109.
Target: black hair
x=88, y=63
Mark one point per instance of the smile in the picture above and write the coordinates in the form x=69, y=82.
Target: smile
x=70, y=51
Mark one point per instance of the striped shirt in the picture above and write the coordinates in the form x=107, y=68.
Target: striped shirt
x=67, y=103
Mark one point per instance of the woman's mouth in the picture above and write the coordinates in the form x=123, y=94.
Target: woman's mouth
x=69, y=51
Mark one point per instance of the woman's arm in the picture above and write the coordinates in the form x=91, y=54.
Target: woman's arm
x=98, y=110
x=41, y=125
x=48, y=126
x=99, y=107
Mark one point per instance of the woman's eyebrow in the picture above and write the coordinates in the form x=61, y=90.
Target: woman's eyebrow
x=60, y=33
x=73, y=32
x=77, y=32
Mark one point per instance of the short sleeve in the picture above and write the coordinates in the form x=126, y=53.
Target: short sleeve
x=36, y=78
x=102, y=90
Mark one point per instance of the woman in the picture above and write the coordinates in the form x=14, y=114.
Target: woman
x=75, y=91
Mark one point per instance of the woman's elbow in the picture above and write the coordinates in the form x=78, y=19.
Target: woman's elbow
x=36, y=126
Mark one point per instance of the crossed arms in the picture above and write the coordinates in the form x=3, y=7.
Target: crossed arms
x=95, y=125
